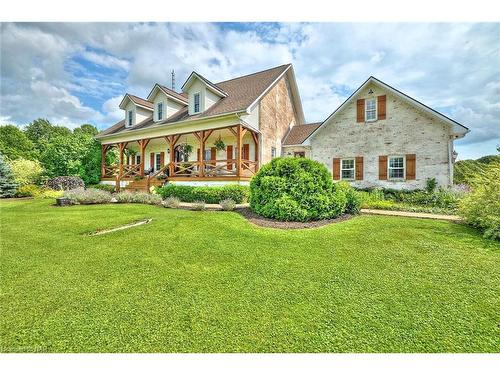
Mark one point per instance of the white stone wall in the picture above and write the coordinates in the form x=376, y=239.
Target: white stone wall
x=406, y=130
x=291, y=149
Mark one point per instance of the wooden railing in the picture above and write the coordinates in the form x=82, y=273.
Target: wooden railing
x=130, y=170
x=110, y=171
x=186, y=169
x=218, y=168
x=249, y=166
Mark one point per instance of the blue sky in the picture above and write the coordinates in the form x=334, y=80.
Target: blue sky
x=74, y=73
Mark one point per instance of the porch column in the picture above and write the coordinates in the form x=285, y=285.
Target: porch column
x=142, y=147
x=202, y=153
x=104, y=148
x=238, y=150
x=122, y=146
x=256, y=139
x=172, y=140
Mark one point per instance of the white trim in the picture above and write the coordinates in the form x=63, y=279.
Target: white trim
x=389, y=168
x=199, y=102
x=207, y=83
x=376, y=109
x=298, y=102
x=127, y=96
x=170, y=96
x=348, y=169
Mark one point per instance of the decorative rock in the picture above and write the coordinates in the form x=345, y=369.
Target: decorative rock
x=63, y=201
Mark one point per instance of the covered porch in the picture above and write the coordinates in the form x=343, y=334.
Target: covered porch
x=228, y=153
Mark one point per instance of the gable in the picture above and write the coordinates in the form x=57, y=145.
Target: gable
x=380, y=88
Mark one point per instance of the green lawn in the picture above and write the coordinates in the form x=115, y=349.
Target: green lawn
x=212, y=282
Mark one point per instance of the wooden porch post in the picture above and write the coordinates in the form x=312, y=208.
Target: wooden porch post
x=142, y=147
x=256, y=139
x=104, y=149
x=238, y=150
x=172, y=140
x=202, y=153
x=121, y=147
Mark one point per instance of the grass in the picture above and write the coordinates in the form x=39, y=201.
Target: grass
x=212, y=282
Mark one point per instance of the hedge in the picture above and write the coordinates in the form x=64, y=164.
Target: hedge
x=207, y=194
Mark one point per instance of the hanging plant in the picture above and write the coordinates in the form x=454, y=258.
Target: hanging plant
x=220, y=145
x=185, y=149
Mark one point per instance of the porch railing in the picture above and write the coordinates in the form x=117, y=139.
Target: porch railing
x=131, y=170
x=110, y=171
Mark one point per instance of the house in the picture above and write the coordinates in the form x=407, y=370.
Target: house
x=218, y=133
x=193, y=137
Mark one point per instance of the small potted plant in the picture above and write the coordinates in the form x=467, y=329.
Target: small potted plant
x=219, y=144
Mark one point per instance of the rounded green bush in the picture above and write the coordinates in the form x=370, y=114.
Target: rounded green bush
x=296, y=189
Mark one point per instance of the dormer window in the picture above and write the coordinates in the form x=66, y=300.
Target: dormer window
x=129, y=118
x=371, y=109
x=196, y=104
x=159, y=108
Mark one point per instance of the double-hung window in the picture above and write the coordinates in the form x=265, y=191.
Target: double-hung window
x=273, y=152
x=396, y=167
x=160, y=111
x=196, y=102
x=137, y=159
x=371, y=109
x=129, y=118
x=347, y=169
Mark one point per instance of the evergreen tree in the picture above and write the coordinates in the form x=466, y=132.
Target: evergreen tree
x=7, y=184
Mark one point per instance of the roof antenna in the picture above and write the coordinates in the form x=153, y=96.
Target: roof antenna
x=173, y=79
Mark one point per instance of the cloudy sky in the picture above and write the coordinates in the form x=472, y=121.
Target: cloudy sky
x=77, y=73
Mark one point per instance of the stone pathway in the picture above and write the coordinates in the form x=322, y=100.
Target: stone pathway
x=421, y=215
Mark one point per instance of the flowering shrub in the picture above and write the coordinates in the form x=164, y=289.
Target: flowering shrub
x=137, y=197
x=172, y=202
x=65, y=183
x=26, y=172
x=199, y=206
x=87, y=196
x=227, y=204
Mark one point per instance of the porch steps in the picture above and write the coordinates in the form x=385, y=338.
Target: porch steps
x=142, y=185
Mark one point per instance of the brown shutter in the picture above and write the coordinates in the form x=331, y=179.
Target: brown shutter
x=152, y=160
x=360, y=115
x=198, y=154
x=336, y=169
x=229, y=156
x=162, y=159
x=381, y=107
x=410, y=166
x=359, y=167
x=246, y=152
x=213, y=153
x=382, y=167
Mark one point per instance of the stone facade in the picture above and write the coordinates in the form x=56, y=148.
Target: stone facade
x=289, y=151
x=406, y=130
x=276, y=115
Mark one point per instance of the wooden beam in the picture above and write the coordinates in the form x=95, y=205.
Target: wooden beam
x=238, y=150
x=104, y=149
x=142, y=147
x=256, y=138
x=207, y=133
x=233, y=131
x=202, y=153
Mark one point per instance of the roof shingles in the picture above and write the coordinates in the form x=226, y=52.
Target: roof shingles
x=299, y=133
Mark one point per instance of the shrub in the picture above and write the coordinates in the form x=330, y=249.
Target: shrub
x=481, y=208
x=105, y=187
x=88, y=196
x=430, y=185
x=26, y=172
x=227, y=204
x=208, y=194
x=49, y=193
x=65, y=183
x=172, y=202
x=7, y=184
x=137, y=197
x=353, y=204
x=199, y=206
x=28, y=191
x=295, y=189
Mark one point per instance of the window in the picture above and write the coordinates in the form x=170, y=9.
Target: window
x=129, y=118
x=208, y=154
x=160, y=111
x=196, y=102
x=273, y=152
x=157, y=162
x=137, y=159
x=347, y=169
x=396, y=167
x=299, y=154
x=371, y=109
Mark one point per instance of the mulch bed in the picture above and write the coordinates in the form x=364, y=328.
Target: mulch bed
x=270, y=223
